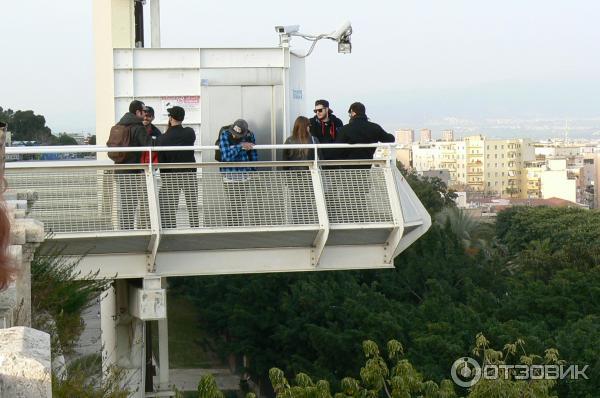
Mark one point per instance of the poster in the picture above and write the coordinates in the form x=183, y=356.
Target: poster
x=189, y=102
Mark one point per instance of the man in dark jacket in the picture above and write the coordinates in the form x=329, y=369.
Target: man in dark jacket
x=360, y=131
x=324, y=126
x=176, y=180
x=132, y=186
x=133, y=120
x=152, y=134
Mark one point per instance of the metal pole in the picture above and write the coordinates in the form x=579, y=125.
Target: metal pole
x=138, y=13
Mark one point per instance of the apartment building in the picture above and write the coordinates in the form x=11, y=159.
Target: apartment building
x=504, y=164
x=425, y=135
x=478, y=164
x=550, y=179
x=447, y=135
x=405, y=136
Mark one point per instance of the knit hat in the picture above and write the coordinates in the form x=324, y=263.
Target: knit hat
x=242, y=125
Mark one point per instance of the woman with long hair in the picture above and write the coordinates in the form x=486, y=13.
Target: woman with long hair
x=6, y=269
x=301, y=135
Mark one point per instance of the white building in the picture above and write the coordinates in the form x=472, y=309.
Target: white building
x=555, y=183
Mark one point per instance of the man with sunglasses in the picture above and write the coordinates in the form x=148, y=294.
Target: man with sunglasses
x=324, y=126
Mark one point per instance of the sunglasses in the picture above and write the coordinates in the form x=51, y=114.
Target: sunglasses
x=319, y=110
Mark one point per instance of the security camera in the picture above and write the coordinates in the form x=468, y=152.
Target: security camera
x=342, y=32
x=287, y=29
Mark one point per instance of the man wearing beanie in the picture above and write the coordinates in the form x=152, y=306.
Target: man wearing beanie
x=176, y=180
x=360, y=131
x=324, y=126
x=236, y=144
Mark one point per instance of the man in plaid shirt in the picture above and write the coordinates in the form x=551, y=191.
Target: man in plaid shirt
x=237, y=145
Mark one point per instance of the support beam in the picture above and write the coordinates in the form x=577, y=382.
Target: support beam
x=323, y=234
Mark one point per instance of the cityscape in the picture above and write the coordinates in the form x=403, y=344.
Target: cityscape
x=396, y=199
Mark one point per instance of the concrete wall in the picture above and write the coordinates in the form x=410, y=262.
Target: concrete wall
x=25, y=363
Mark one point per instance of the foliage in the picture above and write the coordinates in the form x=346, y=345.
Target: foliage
x=391, y=376
x=65, y=139
x=59, y=295
x=537, y=279
x=507, y=385
x=432, y=191
x=92, y=140
x=26, y=126
x=77, y=381
x=475, y=235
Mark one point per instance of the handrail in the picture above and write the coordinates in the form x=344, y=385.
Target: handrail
x=21, y=150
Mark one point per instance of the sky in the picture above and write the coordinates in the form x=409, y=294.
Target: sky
x=413, y=61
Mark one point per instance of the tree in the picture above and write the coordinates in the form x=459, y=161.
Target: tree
x=92, y=140
x=65, y=139
x=392, y=376
x=432, y=192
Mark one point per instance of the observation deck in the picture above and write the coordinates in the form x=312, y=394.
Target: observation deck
x=137, y=221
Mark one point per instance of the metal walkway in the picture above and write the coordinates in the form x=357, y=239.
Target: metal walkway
x=195, y=219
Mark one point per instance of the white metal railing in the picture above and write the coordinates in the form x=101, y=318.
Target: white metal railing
x=98, y=199
x=94, y=197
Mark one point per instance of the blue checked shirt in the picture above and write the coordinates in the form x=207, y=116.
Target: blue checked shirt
x=231, y=152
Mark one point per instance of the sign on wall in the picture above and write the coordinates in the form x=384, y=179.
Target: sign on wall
x=189, y=102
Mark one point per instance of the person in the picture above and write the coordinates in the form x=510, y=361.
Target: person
x=360, y=131
x=301, y=135
x=175, y=180
x=324, y=126
x=152, y=134
x=236, y=144
x=131, y=184
x=297, y=182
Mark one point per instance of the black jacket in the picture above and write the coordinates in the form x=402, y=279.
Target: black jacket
x=138, y=135
x=326, y=132
x=177, y=136
x=361, y=131
x=152, y=135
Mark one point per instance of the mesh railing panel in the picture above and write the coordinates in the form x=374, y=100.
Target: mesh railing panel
x=105, y=201
x=212, y=199
x=356, y=196
x=85, y=201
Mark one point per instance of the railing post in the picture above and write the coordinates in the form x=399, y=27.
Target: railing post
x=323, y=234
x=396, y=235
x=154, y=211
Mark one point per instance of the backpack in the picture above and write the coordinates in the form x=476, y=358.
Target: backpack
x=120, y=136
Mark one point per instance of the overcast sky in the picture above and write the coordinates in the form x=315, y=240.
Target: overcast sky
x=412, y=61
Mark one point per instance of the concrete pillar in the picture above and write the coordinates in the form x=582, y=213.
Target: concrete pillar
x=113, y=28
x=108, y=325
x=163, y=349
x=155, y=23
